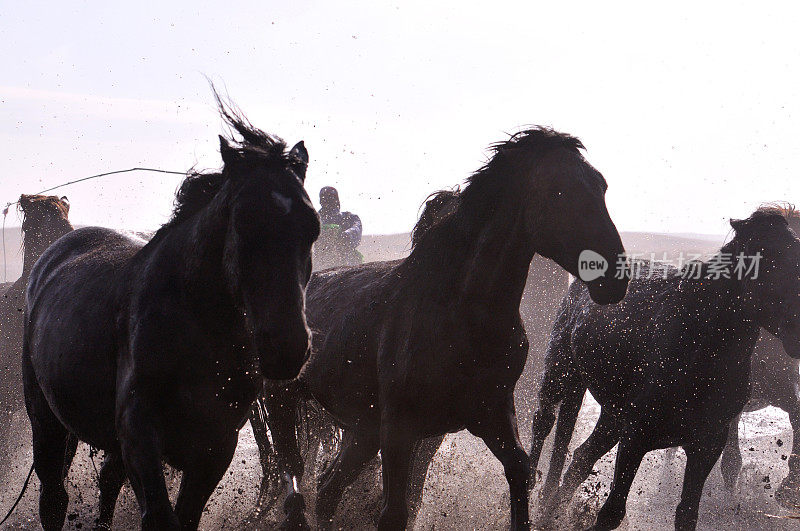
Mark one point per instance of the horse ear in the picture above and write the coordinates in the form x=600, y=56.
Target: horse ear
x=300, y=155
x=737, y=224
x=230, y=156
x=65, y=201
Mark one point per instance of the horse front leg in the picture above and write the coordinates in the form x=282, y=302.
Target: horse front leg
x=141, y=452
x=199, y=482
x=397, y=442
x=498, y=429
x=731, y=462
x=281, y=406
x=426, y=450
x=270, y=476
x=788, y=492
x=700, y=460
x=631, y=451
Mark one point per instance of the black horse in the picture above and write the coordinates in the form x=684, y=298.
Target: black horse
x=434, y=343
x=156, y=352
x=670, y=366
x=774, y=381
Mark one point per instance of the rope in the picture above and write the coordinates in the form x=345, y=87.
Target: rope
x=24, y=487
x=5, y=266
x=8, y=205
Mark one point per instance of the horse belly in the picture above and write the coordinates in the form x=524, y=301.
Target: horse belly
x=79, y=384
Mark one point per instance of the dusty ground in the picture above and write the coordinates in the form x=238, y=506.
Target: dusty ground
x=465, y=487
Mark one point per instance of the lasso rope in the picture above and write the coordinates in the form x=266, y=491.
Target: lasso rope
x=8, y=205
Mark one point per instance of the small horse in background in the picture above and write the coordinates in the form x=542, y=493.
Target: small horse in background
x=434, y=343
x=45, y=218
x=670, y=365
x=155, y=352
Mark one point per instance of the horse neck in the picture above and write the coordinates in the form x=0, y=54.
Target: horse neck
x=203, y=259
x=480, y=254
x=36, y=242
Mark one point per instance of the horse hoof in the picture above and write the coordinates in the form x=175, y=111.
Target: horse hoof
x=788, y=493
x=291, y=524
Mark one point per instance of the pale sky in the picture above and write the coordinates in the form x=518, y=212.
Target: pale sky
x=690, y=110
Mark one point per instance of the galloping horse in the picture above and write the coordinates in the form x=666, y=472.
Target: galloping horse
x=156, y=351
x=774, y=381
x=434, y=343
x=670, y=366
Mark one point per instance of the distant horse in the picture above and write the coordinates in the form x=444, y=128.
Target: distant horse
x=775, y=381
x=434, y=343
x=156, y=352
x=670, y=366
x=45, y=219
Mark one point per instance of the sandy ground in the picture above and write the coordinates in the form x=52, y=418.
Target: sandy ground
x=465, y=487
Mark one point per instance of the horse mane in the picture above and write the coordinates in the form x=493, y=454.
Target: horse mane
x=787, y=210
x=255, y=147
x=517, y=151
x=432, y=212
x=527, y=144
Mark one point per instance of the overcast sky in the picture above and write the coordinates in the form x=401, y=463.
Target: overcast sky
x=691, y=111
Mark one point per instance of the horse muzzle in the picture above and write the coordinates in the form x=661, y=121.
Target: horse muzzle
x=608, y=290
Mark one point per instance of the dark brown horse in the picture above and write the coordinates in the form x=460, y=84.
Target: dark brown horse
x=670, y=366
x=157, y=351
x=434, y=343
x=546, y=286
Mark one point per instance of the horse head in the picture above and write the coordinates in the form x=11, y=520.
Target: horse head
x=768, y=254
x=45, y=218
x=566, y=217
x=272, y=226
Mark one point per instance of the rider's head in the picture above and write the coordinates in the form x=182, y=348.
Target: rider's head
x=329, y=198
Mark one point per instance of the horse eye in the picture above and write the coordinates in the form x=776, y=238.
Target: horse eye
x=284, y=203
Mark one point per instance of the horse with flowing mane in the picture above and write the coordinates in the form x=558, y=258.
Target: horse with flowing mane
x=155, y=351
x=434, y=343
x=670, y=365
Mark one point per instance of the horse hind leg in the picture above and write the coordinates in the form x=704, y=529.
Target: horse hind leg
x=556, y=386
x=110, y=479
x=567, y=417
x=50, y=449
x=356, y=451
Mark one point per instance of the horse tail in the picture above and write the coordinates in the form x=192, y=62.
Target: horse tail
x=21, y=494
